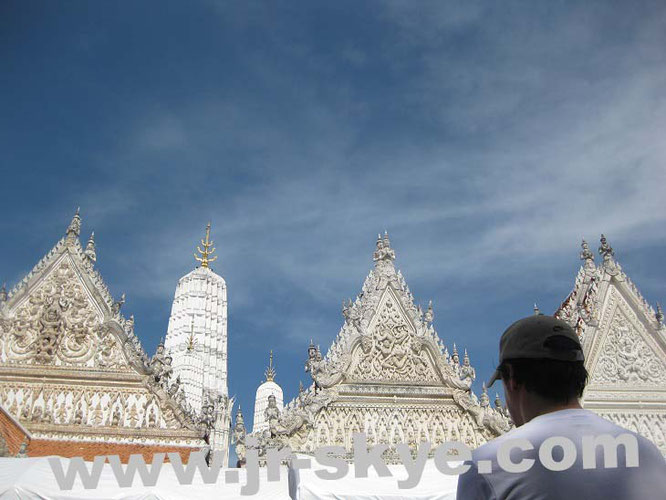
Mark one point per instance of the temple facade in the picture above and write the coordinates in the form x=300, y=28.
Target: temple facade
x=624, y=341
x=75, y=380
x=387, y=374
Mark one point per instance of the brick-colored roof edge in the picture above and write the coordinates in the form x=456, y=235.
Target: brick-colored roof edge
x=89, y=450
x=15, y=421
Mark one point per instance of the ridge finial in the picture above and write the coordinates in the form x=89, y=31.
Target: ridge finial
x=74, y=228
x=430, y=313
x=586, y=254
x=270, y=371
x=605, y=250
x=383, y=252
x=207, y=251
x=90, y=251
x=537, y=311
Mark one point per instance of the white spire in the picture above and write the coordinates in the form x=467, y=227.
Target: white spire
x=268, y=388
x=197, y=333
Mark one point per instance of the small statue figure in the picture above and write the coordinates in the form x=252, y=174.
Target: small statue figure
x=115, y=419
x=160, y=365
x=208, y=416
x=239, y=435
x=115, y=308
x=605, y=250
x=430, y=313
x=36, y=414
x=174, y=387
x=586, y=254
x=272, y=415
x=25, y=414
x=467, y=372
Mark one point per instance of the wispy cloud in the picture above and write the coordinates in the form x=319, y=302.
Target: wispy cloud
x=487, y=139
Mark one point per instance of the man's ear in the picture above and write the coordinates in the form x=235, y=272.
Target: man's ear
x=510, y=382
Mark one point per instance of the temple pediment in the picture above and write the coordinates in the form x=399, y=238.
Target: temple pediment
x=58, y=322
x=623, y=353
x=390, y=350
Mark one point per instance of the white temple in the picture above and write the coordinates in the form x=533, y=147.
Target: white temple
x=197, y=342
x=268, y=388
x=387, y=374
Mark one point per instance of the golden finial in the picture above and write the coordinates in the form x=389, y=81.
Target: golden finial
x=270, y=371
x=206, y=253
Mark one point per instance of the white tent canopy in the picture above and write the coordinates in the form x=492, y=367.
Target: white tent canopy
x=433, y=485
x=32, y=478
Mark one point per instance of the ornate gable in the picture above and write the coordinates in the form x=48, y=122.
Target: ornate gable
x=62, y=314
x=58, y=322
x=387, y=374
x=624, y=341
x=386, y=337
x=71, y=366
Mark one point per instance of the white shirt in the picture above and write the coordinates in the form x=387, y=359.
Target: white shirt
x=647, y=481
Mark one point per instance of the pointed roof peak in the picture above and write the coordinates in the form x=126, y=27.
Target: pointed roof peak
x=74, y=228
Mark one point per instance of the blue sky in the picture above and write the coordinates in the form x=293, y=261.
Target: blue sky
x=488, y=138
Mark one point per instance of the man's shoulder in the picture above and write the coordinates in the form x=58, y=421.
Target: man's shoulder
x=570, y=424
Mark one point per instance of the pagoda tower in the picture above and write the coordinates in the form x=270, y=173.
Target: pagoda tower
x=268, y=388
x=197, y=332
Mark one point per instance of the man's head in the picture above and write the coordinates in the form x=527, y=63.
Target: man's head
x=541, y=366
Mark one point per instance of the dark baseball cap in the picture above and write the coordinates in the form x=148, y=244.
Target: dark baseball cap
x=539, y=337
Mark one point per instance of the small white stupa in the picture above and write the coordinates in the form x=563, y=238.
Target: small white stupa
x=268, y=388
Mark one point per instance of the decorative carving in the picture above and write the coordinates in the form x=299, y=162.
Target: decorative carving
x=57, y=325
x=651, y=425
x=392, y=352
x=323, y=374
x=160, y=365
x=626, y=358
